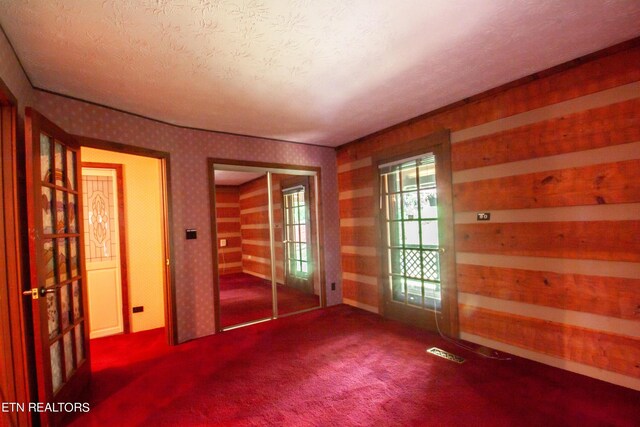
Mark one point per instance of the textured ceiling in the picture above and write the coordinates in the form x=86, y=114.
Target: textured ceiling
x=227, y=177
x=323, y=72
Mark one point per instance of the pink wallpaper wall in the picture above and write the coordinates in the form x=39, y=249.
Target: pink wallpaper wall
x=12, y=76
x=189, y=150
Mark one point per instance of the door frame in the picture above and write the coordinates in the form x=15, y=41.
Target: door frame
x=17, y=343
x=122, y=235
x=275, y=168
x=170, y=312
x=448, y=315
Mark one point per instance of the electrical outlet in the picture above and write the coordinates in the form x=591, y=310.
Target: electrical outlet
x=333, y=286
x=223, y=243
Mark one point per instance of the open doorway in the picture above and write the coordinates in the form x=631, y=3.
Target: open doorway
x=124, y=255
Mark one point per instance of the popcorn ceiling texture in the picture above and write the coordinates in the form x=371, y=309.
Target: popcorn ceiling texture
x=324, y=72
x=189, y=150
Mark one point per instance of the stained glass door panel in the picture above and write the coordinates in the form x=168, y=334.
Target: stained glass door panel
x=102, y=249
x=56, y=269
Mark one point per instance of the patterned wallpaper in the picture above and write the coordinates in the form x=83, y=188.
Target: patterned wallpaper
x=189, y=150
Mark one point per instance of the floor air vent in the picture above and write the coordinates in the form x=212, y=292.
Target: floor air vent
x=445, y=355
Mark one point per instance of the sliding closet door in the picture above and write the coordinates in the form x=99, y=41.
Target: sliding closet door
x=295, y=243
x=266, y=245
x=244, y=250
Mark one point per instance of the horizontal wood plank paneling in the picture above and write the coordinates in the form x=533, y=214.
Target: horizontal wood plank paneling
x=254, y=211
x=228, y=227
x=600, y=240
x=613, y=352
x=259, y=201
x=254, y=218
x=623, y=269
x=256, y=250
x=358, y=236
x=228, y=257
x=357, y=222
x=361, y=292
x=251, y=266
x=352, y=194
x=256, y=234
x=357, y=208
x=361, y=278
x=359, y=264
x=228, y=212
x=254, y=225
x=355, y=179
x=619, y=212
x=344, y=167
x=607, y=296
x=576, y=159
x=556, y=161
x=582, y=319
x=605, y=73
x=591, y=185
x=570, y=106
x=228, y=195
x=600, y=127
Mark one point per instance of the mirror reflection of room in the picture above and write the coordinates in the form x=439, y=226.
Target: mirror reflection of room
x=298, y=282
x=250, y=289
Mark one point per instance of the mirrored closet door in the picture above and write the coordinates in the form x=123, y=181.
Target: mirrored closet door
x=298, y=282
x=267, y=247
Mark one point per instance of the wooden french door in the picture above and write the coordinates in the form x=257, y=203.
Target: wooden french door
x=298, y=262
x=56, y=259
x=416, y=220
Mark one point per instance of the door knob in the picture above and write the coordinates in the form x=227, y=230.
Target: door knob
x=36, y=293
x=442, y=250
x=33, y=292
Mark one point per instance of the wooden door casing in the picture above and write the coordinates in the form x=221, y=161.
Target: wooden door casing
x=14, y=378
x=439, y=144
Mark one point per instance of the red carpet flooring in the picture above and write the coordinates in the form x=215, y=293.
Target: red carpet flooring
x=245, y=298
x=335, y=367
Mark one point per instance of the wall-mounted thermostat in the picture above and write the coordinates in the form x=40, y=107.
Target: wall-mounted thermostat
x=484, y=216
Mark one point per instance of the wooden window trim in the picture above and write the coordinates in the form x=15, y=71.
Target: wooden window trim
x=397, y=152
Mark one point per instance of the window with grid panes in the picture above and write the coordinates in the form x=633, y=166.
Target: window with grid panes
x=409, y=205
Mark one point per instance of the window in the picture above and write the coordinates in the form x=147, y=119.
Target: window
x=409, y=198
x=295, y=212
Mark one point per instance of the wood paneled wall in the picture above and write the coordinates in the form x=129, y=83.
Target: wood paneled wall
x=254, y=225
x=555, y=275
x=228, y=223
